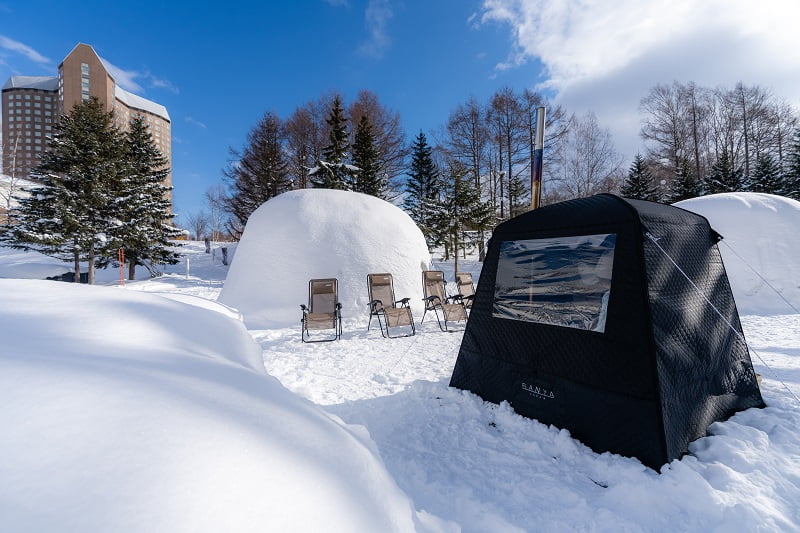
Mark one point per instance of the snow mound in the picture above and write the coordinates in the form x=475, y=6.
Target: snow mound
x=322, y=233
x=23, y=264
x=760, y=231
x=127, y=411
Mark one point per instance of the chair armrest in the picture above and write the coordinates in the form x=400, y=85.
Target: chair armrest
x=432, y=300
x=373, y=305
x=304, y=308
x=403, y=302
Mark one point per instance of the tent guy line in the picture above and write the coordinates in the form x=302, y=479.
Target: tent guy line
x=762, y=278
x=724, y=319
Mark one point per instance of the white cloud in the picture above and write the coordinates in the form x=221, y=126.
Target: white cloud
x=158, y=83
x=16, y=46
x=605, y=56
x=196, y=122
x=127, y=79
x=376, y=18
x=124, y=78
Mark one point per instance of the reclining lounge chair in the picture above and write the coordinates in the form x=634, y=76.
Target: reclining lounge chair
x=436, y=299
x=466, y=288
x=390, y=313
x=323, y=311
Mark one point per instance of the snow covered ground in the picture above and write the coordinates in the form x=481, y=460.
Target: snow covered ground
x=126, y=411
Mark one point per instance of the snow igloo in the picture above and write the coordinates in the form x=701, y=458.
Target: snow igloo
x=759, y=235
x=322, y=233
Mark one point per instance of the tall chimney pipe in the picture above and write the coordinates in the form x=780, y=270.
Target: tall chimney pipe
x=538, y=152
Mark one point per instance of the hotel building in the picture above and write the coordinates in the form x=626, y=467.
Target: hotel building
x=32, y=104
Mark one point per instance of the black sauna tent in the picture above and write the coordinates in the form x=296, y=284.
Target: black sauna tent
x=582, y=321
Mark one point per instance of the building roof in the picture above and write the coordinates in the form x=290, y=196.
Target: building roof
x=137, y=102
x=45, y=83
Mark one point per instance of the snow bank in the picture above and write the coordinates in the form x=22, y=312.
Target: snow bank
x=126, y=411
x=759, y=230
x=22, y=264
x=322, y=233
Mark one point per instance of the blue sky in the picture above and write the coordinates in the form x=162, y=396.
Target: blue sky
x=218, y=68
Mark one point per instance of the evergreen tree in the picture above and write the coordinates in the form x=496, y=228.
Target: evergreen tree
x=72, y=215
x=685, y=185
x=332, y=170
x=767, y=176
x=791, y=173
x=517, y=193
x=462, y=215
x=260, y=172
x=365, y=157
x=723, y=176
x=639, y=184
x=423, y=189
x=142, y=204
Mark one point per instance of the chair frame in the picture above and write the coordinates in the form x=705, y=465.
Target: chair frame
x=463, y=279
x=305, y=335
x=377, y=309
x=434, y=302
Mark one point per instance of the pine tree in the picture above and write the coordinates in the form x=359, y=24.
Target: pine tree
x=142, y=204
x=791, y=173
x=462, y=215
x=332, y=170
x=423, y=189
x=517, y=193
x=639, y=182
x=71, y=216
x=685, y=185
x=365, y=157
x=723, y=176
x=767, y=176
x=260, y=172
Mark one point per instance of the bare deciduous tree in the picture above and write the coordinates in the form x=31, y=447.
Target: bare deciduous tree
x=197, y=223
x=11, y=185
x=506, y=124
x=587, y=162
x=216, y=198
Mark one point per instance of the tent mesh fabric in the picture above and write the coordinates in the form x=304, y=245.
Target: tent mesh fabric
x=664, y=367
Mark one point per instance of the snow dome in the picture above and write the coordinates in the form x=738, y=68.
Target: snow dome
x=322, y=233
x=759, y=230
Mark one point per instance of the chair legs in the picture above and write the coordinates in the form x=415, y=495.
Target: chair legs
x=305, y=334
x=385, y=329
x=438, y=320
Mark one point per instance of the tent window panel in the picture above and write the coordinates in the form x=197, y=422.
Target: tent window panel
x=562, y=281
